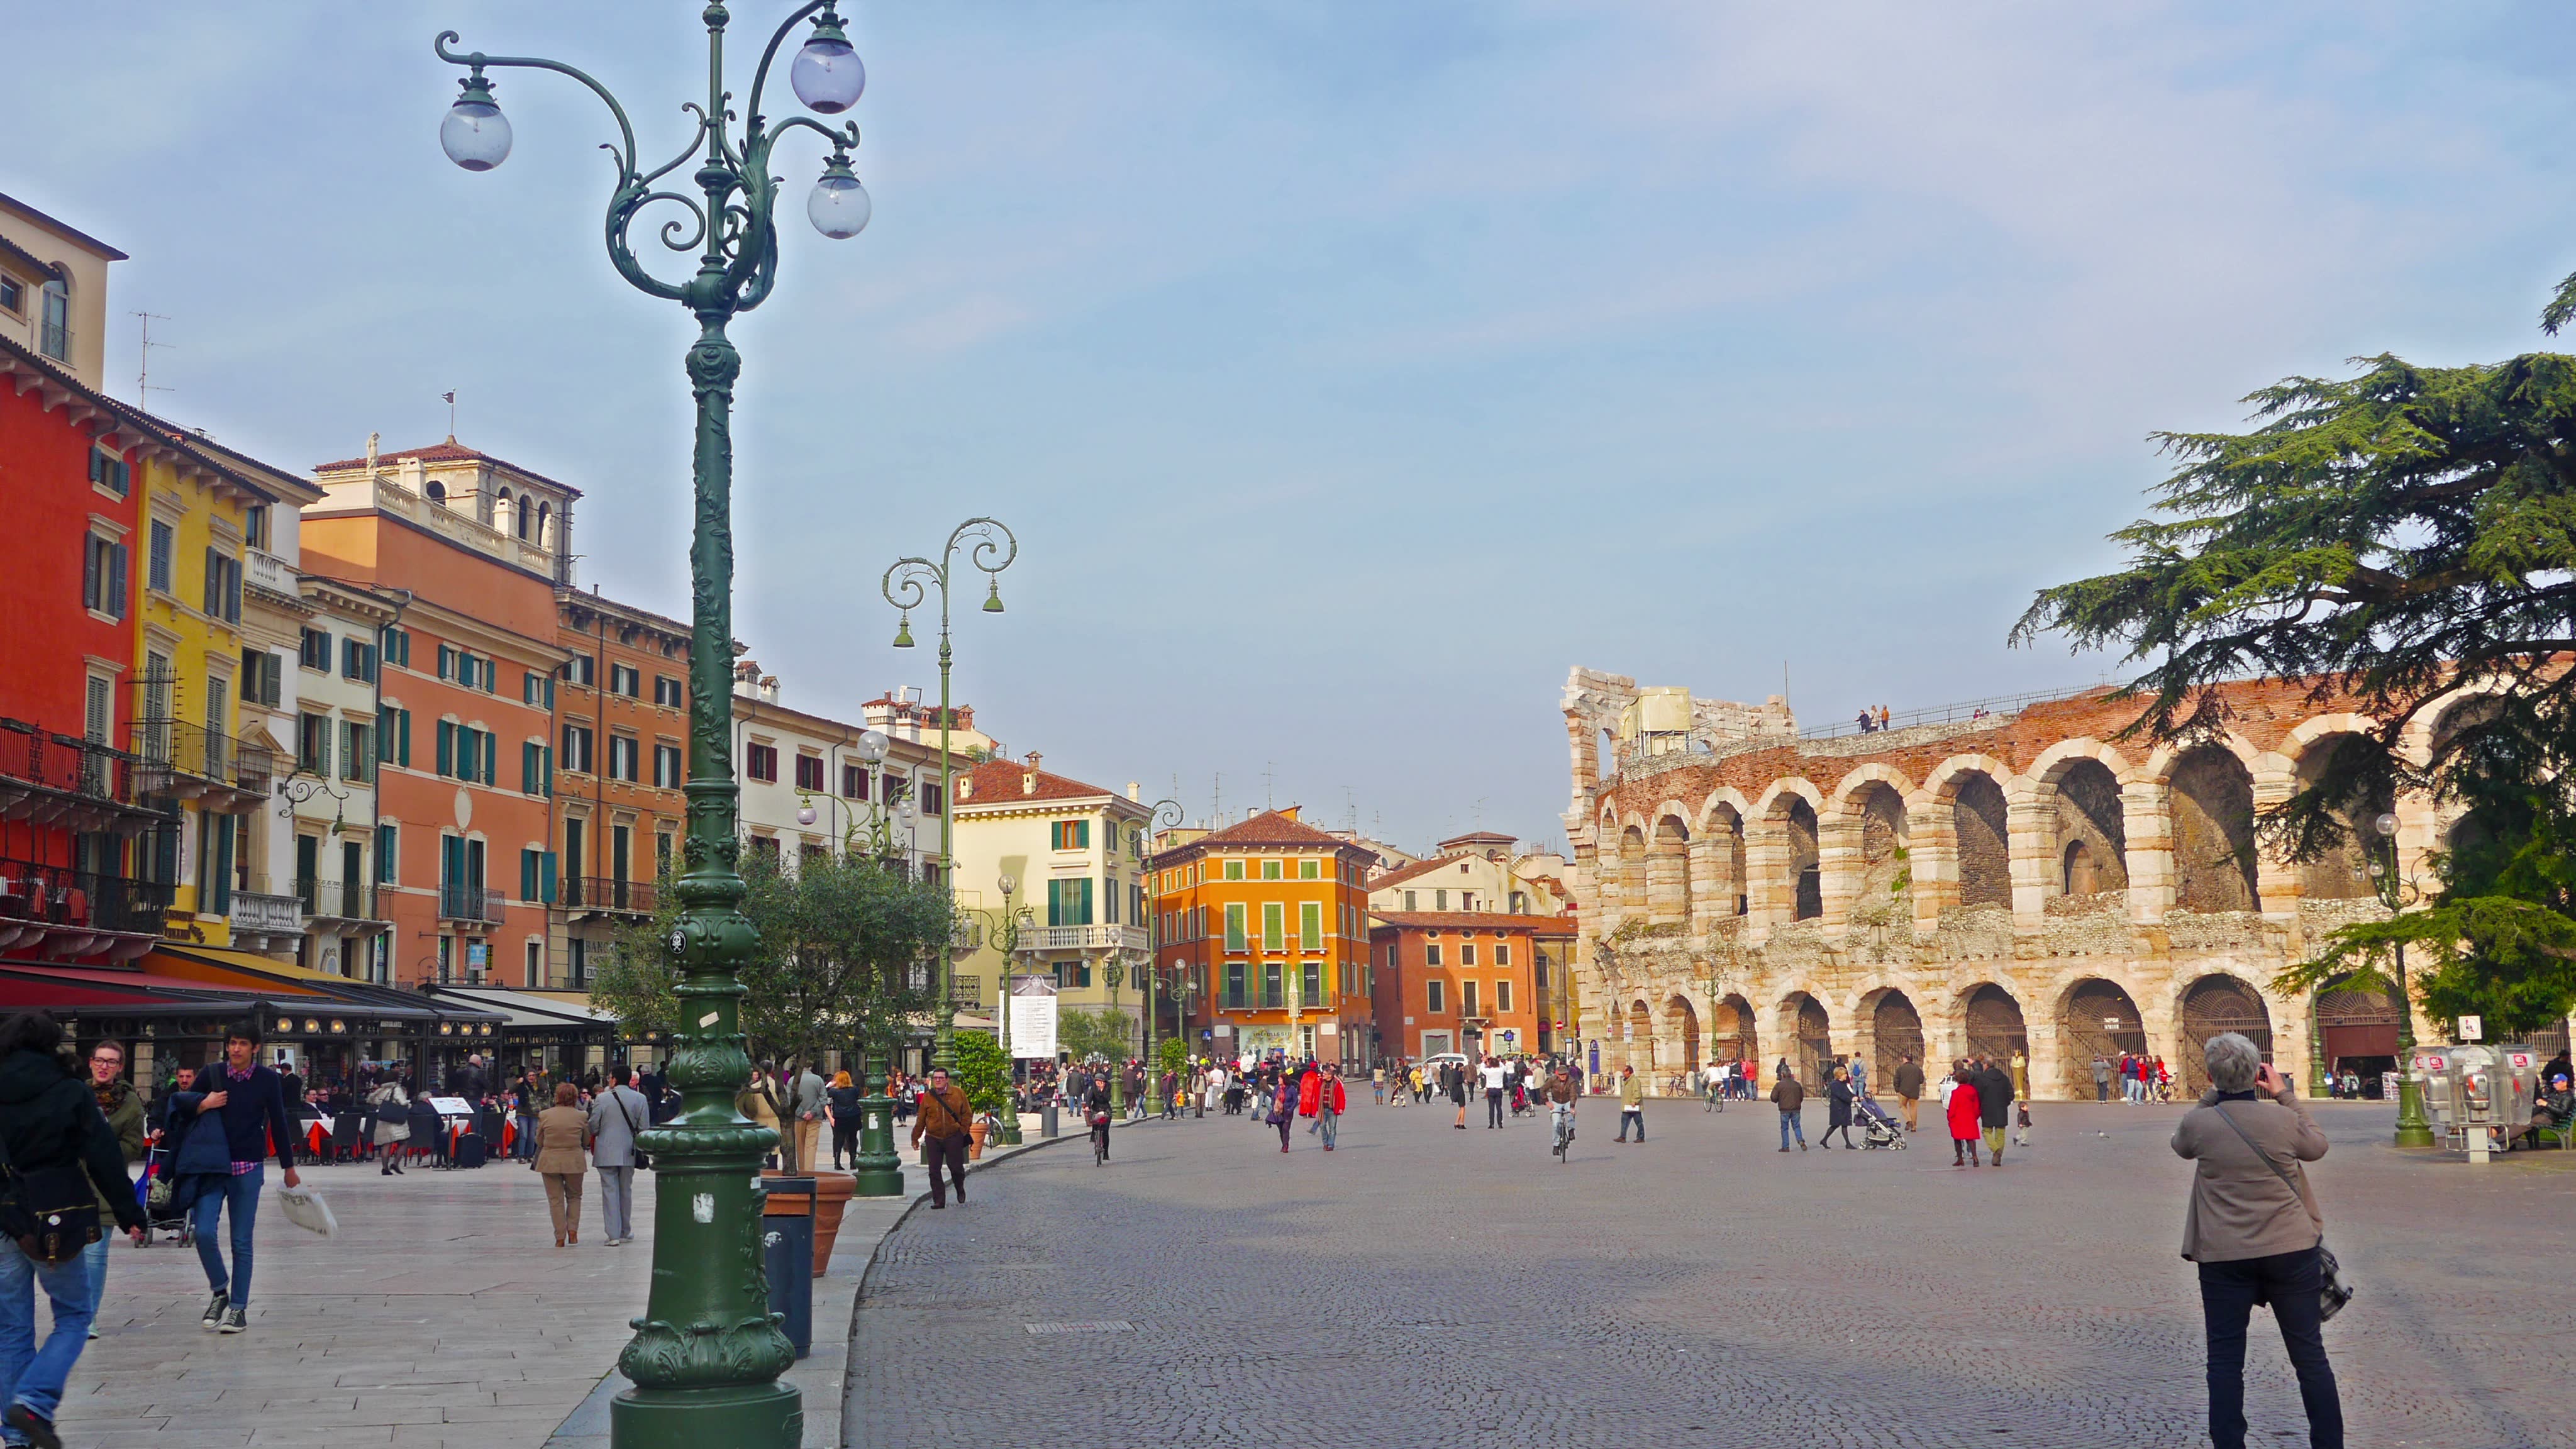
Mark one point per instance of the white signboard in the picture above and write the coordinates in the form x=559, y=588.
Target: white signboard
x=451, y=1106
x=1033, y=1015
x=2473, y=1028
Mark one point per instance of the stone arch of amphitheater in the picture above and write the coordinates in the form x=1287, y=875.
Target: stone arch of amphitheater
x=2017, y=880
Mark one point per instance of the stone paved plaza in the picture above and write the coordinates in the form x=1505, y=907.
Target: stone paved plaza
x=1427, y=1285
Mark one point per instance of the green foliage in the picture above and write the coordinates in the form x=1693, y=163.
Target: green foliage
x=845, y=961
x=1173, y=1055
x=983, y=1073
x=1101, y=1033
x=2391, y=536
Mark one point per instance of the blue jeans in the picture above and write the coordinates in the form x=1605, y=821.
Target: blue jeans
x=241, y=1194
x=2290, y=1283
x=1632, y=1114
x=1331, y=1123
x=1792, y=1122
x=31, y=1375
x=96, y=1256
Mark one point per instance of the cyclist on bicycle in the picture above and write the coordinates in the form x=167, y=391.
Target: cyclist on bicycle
x=1560, y=1108
x=1095, y=1112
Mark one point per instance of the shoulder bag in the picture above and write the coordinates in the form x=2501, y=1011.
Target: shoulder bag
x=2333, y=1292
x=52, y=1213
x=643, y=1159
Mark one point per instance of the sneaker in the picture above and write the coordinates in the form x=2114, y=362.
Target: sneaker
x=37, y=1429
x=215, y=1307
x=236, y=1320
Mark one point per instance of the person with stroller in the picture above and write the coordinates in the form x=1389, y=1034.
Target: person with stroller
x=1838, y=1110
x=1965, y=1123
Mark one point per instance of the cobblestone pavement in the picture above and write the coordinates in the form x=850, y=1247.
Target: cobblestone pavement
x=1427, y=1285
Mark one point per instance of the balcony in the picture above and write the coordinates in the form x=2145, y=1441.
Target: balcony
x=51, y=779
x=966, y=935
x=471, y=905
x=65, y=914
x=191, y=762
x=264, y=921
x=401, y=502
x=264, y=570
x=1085, y=938
x=606, y=896
x=338, y=901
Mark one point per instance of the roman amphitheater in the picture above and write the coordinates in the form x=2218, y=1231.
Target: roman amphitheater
x=2011, y=878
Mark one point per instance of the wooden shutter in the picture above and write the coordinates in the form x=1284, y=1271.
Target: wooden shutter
x=446, y=748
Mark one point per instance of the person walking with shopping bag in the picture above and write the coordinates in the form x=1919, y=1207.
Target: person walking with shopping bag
x=243, y=1104
x=617, y=1117
x=392, y=1131
x=2254, y=1229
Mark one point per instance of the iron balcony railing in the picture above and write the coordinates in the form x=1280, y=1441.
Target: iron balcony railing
x=170, y=748
x=339, y=900
x=54, y=340
x=471, y=903
x=607, y=893
x=56, y=895
x=61, y=762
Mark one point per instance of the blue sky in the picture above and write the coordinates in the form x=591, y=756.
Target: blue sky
x=1350, y=370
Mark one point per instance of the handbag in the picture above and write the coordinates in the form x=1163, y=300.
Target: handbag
x=2333, y=1292
x=53, y=1214
x=643, y=1159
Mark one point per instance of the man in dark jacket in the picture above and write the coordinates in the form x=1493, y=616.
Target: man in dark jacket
x=1909, y=1090
x=52, y=1128
x=1994, y=1105
x=1790, y=1097
x=250, y=1103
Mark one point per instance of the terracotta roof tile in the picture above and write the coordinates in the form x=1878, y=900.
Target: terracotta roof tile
x=1416, y=871
x=450, y=451
x=1000, y=782
x=1475, y=921
x=1273, y=828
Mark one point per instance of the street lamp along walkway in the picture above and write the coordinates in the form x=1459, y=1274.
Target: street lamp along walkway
x=707, y=1354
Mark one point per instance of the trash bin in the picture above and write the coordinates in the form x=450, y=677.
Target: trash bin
x=1046, y=1119
x=787, y=1255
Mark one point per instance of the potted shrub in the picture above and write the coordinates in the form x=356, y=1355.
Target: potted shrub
x=984, y=1075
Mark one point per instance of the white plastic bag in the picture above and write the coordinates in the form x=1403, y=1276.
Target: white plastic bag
x=305, y=1208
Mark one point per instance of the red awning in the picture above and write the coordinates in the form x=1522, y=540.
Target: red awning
x=27, y=984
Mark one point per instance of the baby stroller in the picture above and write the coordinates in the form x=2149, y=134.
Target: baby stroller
x=1520, y=1099
x=158, y=1215
x=1877, y=1128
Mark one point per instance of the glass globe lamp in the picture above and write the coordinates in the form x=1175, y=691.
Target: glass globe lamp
x=826, y=74
x=839, y=205
x=475, y=134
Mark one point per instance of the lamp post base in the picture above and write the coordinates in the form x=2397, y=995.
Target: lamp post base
x=763, y=1416
x=2412, y=1129
x=877, y=1170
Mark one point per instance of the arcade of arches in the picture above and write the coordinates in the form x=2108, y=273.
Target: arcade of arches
x=2027, y=884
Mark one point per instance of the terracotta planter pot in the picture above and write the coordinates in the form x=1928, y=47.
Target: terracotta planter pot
x=975, y=1141
x=831, y=1199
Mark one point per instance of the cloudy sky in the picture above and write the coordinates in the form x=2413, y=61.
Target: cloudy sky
x=1349, y=370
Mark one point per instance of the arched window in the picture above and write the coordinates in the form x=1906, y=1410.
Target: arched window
x=438, y=493
x=54, y=330
x=545, y=526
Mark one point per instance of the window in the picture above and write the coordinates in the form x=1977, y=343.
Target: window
x=54, y=331
x=1274, y=930
x=1502, y=996
x=1234, y=993
x=1310, y=870
x=1310, y=983
x=577, y=669
x=262, y=678
x=534, y=689
x=446, y=662
x=110, y=472
x=536, y=875
x=627, y=680
x=670, y=693
x=854, y=783
x=1270, y=870
x=466, y=753
x=931, y=800
x=313, y=744
x=393, y=740
x=536, y=769
x=1431, y=954
x=1072, y=834
x=809, y=772
x=358, y=660
x=623, y=753
x=1466, y=953
x=1310, y=924
x=761, y=763
x=576, y=749
x=165, y=548
x=1270, y=996
x=667, y=773
x=388, y=855
x=357, y=751
x=254, y=524
x=1503, y=956
x=223, y=588
x=766, y=847
x=103, y=576
x=1234, y=870
x=1234, y=926
x=1069, y=902
x=316, y=650
x=1467, y=999
x=1436, y=997
x=13, y=294
x=397, y=646
x=1409, y=902
x=1439, y=900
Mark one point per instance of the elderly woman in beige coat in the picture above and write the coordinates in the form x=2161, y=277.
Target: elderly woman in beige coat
x=2254, y=1229
x=561, y=1130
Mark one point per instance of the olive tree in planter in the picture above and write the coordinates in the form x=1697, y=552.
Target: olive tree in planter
x=984, y=1075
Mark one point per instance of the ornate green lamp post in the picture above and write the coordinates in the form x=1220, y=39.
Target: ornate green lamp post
x=2397, y=893
x=991, y=547
x=1002, y=928
x=707, y=1353
x=1165, y=817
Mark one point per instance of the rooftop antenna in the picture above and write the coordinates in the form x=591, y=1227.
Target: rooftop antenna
x=1480, y=812
x=1351, y=809
x=1216, y=801
x=143, y=388
x=1269, y=777
x=450, y=396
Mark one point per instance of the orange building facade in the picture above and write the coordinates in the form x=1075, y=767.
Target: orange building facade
x=465, y=742
x=621, y=731
x=1263, y=927
x=1466, y=981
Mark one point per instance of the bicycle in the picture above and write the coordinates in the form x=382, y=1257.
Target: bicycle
x=1100, y=1140
x=1564, y=1147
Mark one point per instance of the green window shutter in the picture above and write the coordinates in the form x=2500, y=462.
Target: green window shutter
x=446, y=749
x=1082, y=835
x=404, y=749
x=1312, y=921
x=388, y=856
x=527, y=768
x=527, y=875
x=1234, y=927
x=1273, y=931
x=1084, y=918
x=1055, y=903
x=546, y=881
x=546, y=764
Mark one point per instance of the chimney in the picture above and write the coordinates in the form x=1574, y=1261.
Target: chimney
x=1134, y=792
x=1034, y=758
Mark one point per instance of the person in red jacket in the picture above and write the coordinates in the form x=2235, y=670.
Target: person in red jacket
x=1321, y=1097
x=1964, y=1123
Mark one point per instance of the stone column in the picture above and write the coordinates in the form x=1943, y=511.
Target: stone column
x=2052, y=1077
x=1839, y=863
x=2275, y=879
x=2148, y=825
x=1773, y=892
x=1667, y=882
x=2030, y=831
x=1710, y=900
x=1932, y=856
